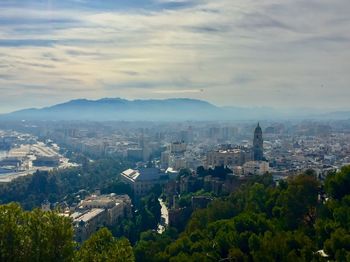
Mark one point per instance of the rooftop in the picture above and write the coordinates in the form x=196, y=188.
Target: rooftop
x=86, y=217
x=142, y=174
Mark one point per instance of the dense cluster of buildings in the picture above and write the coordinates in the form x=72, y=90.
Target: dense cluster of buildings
x=293, y=154
x=242, y=159
x=22, y=154
x=97, y=211
x=216, y=157
x=288, y=146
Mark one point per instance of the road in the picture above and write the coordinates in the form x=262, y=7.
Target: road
x=165, y=217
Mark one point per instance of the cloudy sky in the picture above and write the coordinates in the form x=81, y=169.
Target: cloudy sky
x=290, y=53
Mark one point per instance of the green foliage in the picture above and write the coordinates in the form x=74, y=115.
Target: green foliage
x=241, y=226
x=146, y=217
x=338, y=245
x=149, y=214
x=184, y=200
x=298, y=202
x=151, y=245
x=34, y=236
x=116, y=186
x=263, y=222
x=258, y=222
x=46, y=236
x=184, y=172
x=338, y=184
x=103, y=247
x=218, y=171
x=31, y=191
x=284, y=246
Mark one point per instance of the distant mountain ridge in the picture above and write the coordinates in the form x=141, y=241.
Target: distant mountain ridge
x=176, y=109
x=109, y=109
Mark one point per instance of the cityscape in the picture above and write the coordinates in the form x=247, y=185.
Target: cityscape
x=174, y=131
x=184, y=166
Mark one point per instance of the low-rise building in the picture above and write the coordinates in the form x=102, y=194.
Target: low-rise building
x=48, y=161
x=88, y=222
x=144, y=179
x=256, y=167
x=97, y=211
x=229, y=157
x=117, y=206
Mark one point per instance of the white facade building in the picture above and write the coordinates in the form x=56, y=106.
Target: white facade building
x=97, y=211
x=256, y=167
x=143, y=179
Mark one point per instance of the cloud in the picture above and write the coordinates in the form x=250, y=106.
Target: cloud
x=26, y=42
x=177, y=91
x=240, y=52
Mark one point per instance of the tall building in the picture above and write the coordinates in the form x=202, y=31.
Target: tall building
x=258, y=150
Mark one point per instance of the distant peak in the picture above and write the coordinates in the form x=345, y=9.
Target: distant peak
x=110, y=99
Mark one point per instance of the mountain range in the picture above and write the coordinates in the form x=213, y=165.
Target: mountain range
x=179, y=109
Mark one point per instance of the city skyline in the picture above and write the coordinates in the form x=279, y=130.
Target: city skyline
x=221, y=51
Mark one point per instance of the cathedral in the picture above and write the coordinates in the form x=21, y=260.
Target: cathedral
x=258, y=150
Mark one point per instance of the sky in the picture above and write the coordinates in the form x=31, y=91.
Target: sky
x=249, y=53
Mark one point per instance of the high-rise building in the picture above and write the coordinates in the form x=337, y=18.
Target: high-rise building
x=258, y=150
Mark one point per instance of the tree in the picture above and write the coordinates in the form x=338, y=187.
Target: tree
x=51, y=236
x=151, y=245
x=298, y=202
x=103, y=247
x=30, y=191
x=338, y=246
x=184, y=172
x=34, y=236
x=201, y=171
x=337, y=185
x=220, y=172
x=284, y=246
x=11, y=233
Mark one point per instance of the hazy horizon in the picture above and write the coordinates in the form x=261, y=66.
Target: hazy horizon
x=306, y=110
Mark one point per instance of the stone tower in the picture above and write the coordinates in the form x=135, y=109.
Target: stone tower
x=258, y=150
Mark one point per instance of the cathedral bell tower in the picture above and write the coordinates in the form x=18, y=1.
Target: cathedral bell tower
x=258, y=150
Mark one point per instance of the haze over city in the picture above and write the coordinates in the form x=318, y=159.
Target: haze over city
x=231, y=53
x=174, y=130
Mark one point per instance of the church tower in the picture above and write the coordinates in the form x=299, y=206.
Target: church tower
x=258, y=150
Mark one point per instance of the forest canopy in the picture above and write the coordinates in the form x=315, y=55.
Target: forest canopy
x=300, y=219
